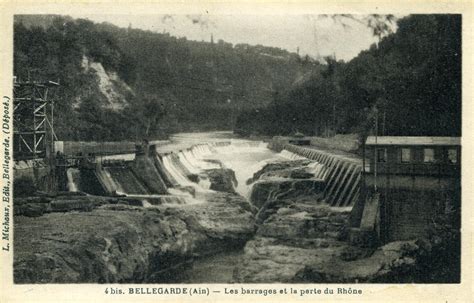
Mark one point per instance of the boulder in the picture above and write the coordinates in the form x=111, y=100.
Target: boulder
x=222, y=179
x=282, y=168
x=265, y=190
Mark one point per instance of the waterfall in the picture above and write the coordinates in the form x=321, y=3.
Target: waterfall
x=179, y=171
x=317, y=169
x=187, y=163
x=124, y=179
x=175, y=172
x=290, y=155
x=72, y=174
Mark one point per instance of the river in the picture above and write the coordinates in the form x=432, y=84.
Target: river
x=244, y=157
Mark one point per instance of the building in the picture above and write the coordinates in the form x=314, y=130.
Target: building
x=412, y=156
x=414, y=179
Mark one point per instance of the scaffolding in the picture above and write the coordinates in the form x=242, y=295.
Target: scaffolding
x=33, y=122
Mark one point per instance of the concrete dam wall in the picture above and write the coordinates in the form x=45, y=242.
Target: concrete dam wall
x=150, y=174
x=184, y=172
x=340, y=173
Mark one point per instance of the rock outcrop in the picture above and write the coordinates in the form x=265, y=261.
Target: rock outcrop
x=222, y=179
x=281, y=180
x=301, y=239
x=292, y=234
x=117, y=243
x=306, y=242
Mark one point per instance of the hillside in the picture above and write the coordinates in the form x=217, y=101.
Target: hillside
x=119, y=83
x=410, y=81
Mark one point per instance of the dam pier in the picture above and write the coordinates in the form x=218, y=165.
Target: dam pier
x=208, y=207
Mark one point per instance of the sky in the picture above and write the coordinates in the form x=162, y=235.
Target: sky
x=315, y=35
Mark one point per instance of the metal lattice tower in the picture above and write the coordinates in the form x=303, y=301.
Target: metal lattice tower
x=33, y=119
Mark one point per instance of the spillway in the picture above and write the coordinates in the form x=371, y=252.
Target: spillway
x=184, y=172
x=341, y=173
x=73, y=179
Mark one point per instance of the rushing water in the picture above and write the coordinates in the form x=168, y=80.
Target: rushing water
x=191, y=154
x=244, y=161
x=244, y=157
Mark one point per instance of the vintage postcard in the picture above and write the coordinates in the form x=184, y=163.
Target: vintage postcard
x=236, y=151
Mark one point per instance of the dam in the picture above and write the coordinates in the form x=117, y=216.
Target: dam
x=181, y=169
x=202, y=208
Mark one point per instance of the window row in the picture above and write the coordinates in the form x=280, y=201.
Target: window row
x=429, y=155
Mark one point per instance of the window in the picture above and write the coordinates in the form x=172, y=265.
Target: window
x=428, y=155
x=452, y=156
x=405, y=155
x=381, y=155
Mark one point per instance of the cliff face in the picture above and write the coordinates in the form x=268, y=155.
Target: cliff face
x=108, y=84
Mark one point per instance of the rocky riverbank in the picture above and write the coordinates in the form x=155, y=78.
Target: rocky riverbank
x=78, y=238
x=300, y=239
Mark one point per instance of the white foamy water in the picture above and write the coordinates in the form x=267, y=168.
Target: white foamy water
x=72, y=174
x=245, y=158
x=315, y=168
x=290, y=156
x=170, y=165
x=192, y=154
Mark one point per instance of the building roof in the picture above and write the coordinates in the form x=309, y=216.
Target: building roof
x=398, y=140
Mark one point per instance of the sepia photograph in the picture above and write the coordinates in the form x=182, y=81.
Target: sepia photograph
x=174, y=149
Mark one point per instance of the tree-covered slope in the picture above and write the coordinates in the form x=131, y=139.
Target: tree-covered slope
x=121, y=83
x=411, y=81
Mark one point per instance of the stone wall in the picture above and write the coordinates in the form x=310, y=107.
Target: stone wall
x=73, y=148
x=34, y=172
x=408, y=204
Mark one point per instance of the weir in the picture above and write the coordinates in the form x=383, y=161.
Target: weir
x=341, y=174
x=183, y=171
